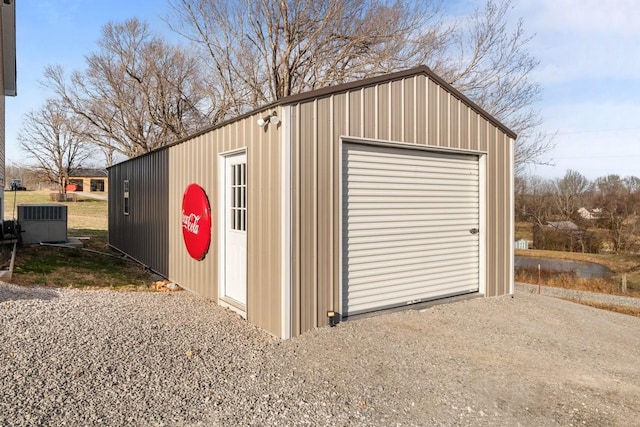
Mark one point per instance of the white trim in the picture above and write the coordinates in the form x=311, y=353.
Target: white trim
x=409, y=145
x=512, y=216
x=221, y=225
x=222, y=169
x=482, y=222
x=340, y=307
x=285, y=224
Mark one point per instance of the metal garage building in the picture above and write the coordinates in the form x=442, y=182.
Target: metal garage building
x=374, y=194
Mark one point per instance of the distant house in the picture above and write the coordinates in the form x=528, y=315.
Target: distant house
x=521, y=244
x=595, y=213
x=87, y=179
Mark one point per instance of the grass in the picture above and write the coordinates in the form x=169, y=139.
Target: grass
x=570, y=280
x=95, y=265
x=83, y=214
x=619, y=264
x=631, y=311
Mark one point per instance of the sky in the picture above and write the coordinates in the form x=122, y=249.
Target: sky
x=589, y=53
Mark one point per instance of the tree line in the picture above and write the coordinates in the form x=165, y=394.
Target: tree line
x=139, y=91
x=609, y=203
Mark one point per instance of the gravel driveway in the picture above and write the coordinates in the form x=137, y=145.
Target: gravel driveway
x=155, y=359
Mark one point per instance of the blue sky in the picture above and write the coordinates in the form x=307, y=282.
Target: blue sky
x=589, y=53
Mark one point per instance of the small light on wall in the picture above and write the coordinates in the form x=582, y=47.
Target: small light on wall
x=270, y=119
x=333, y=318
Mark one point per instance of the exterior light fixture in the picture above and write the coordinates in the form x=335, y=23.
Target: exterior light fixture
x=270, y=119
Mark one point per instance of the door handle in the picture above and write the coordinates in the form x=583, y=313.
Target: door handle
x=474, y=231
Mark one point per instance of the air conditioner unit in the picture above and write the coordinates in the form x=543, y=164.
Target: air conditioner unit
x=43, y=223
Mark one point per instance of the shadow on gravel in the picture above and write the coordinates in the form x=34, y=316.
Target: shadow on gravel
x=15, y=293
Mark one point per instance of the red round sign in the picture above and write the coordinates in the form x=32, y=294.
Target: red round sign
x=196, y=221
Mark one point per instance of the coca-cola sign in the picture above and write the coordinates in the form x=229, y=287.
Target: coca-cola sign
x=196, y=221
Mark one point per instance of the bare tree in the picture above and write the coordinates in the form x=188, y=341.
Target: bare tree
x=261, y=50
x=569, y=191
x=52, y=137
x=138, y=92
x=618, y=199
x=533, y=199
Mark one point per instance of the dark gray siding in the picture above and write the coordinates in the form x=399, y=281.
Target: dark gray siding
x=143, y=233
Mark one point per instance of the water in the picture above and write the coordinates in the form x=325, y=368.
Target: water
x=584, y=270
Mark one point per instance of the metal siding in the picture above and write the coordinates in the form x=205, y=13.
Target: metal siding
x=432, y=113
x=341, y=120
x=264, y=224
x=3, y=179
x=409, y=108
x=196, y=160
x=295, y=219
x=370, y=112
x=406, y=226
x=384, y=113
x=463, y=126
x=422, y=121
x=143, y=233
x=355, y=112
x=311, y=216
x=444, y=122
x=454, y=128
x=327, y=121
x=308, y=211
x=396, y=123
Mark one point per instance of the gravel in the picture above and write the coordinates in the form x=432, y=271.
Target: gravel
x=73, y=358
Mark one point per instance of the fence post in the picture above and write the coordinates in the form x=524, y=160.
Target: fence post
x=538, y=279
x=624, y=283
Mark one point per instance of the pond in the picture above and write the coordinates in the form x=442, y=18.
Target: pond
x=583, y=269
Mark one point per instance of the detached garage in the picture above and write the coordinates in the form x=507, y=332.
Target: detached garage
x=351, y=199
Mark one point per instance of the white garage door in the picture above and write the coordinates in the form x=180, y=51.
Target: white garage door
x=410, y=226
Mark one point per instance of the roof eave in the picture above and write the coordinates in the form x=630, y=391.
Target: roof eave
x=9, y=66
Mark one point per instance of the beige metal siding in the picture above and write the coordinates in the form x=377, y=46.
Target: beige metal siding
x=437, y=118
x=2, y=150
x=196, y=160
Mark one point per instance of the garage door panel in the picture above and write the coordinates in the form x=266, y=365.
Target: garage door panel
x=380, y=235
x=411, y=242
x=407, y=221
x=391, y=156
x=381, y=264
x=409, y=287
x=381, y=301
x=405, y=275
x=454, y=247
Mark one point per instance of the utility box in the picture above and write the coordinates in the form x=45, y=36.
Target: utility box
x=43, y=223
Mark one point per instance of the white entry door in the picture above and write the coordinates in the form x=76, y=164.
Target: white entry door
x=234, y=278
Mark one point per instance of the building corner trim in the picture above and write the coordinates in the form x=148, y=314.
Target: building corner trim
x=286, y=224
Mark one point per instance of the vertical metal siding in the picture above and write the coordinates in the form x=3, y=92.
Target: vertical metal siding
x=2, y=149
x=196, y=161
x=384, y=111
x=308, y=279
x=143, y=233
